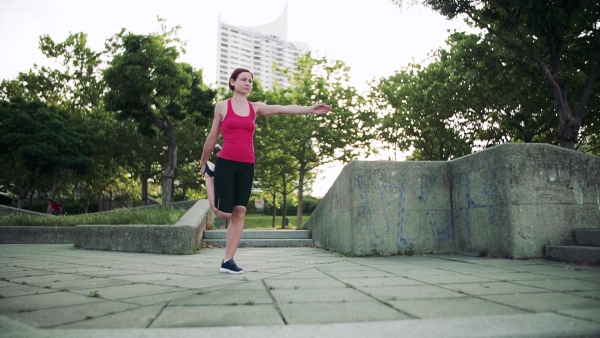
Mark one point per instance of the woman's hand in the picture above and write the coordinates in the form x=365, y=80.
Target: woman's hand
x=202, y=167
x=321, y=109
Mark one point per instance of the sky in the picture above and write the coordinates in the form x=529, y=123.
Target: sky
x=374, y=37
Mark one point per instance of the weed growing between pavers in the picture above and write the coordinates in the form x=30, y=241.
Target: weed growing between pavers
x=94, y=294
x=250, y=302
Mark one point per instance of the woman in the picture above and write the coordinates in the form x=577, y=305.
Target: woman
x=229, y=189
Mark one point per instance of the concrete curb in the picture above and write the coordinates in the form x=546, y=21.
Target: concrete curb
x=37, y=235
x=530, y=325
x=182, y=238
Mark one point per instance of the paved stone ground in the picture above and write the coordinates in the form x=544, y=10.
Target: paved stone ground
x=60, y=291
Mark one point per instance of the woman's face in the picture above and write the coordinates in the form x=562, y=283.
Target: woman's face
x=243, y=83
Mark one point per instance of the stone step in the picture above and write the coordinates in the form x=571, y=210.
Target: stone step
x=587, y=237
x=573, y=253
x=209, y=235
x=259, y=243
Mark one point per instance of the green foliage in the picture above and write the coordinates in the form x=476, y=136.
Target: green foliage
x=149, y=86
x=469, y=96
x=39, y=140
x=310, y=141
x=159, y=216
x=561, y=38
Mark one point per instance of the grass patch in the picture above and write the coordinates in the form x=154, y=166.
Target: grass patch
x=262, y=221
x=159, y=216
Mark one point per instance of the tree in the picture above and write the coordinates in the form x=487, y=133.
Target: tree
x=316, y=140
x=148, y=85
x=469, y=95
x=36, y=140
x=423, y=114
x=561, y=37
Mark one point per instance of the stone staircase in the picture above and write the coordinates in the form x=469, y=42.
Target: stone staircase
x=263, y=238
x=586, y=250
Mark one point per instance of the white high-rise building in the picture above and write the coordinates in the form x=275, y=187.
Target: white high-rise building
x=257, y=49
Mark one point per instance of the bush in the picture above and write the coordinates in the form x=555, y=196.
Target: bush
x=158, y=216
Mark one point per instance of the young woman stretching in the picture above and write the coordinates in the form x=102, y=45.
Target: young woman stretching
x=229, y=181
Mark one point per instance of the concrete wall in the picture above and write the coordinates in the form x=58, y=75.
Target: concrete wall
x=36, y=235
x=181, y=238
x=6, y=210
x=386, y=208
x=506, y=201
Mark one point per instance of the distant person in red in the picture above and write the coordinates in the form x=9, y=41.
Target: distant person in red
x=54, y=208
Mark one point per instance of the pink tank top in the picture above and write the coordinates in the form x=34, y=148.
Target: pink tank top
x=238, y=136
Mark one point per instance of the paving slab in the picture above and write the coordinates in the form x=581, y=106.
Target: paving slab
x=586, y=294
x=381, y=281
x=47, y=318
x=226, y=297
x=545, y=302
x=299, y=295
x=140, y=317
x=296, y=292
x=453, y=307
x=588, y=314
x=492, y=288
x=339, y=312
x=22, y=290
x=43, y=301
x=563, y=285
x=535, y=325
x=409, y=292
x=220, y=315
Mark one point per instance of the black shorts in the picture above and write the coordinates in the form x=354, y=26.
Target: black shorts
x=233, y=184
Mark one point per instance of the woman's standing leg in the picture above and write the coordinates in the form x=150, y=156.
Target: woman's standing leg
x=235, y=230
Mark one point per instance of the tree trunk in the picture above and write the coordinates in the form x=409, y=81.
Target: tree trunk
x=55, y=183
x=300, y=197
x=144, y=189
x=284, y=206
x=274, y=209
x=23, y=196
x=88, y=198
x=568, y=127
x=169, y=173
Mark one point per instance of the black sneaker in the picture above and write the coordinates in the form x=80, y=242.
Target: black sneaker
x=209, y=169
x=230, y=267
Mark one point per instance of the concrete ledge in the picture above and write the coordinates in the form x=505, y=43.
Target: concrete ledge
x=506, y=201
x=6, y=210
x=36, y=235
x=573, y=253
x=260, y=234
x=265, y=243
x=184, y=237
x=587, y=237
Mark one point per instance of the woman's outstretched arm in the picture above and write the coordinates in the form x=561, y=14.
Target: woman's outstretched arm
x=266, y=110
